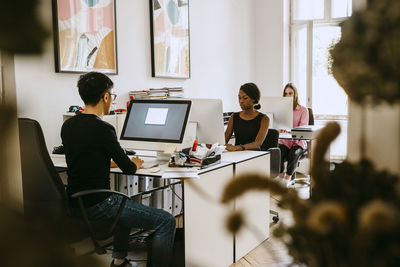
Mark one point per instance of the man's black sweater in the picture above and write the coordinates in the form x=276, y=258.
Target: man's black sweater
x=90, y=143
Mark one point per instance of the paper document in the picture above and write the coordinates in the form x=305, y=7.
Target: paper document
x=156, y=116
x=180, y=173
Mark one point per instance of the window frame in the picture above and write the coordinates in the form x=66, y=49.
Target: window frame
x=310, y=24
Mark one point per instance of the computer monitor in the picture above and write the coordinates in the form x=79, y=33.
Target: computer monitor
x=154, y=124
x=208, y=116
x=282, y=109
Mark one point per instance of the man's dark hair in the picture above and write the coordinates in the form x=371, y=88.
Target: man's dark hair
x=92, y=87
x=253, y=92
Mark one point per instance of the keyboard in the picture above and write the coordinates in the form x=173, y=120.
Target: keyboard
x=149, y=165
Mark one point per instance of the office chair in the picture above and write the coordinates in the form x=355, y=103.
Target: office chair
x=45, y=198
x=305, y=152
x=271, y=144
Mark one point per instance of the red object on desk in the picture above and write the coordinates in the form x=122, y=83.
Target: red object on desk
x=195, y=143
x=120, y=110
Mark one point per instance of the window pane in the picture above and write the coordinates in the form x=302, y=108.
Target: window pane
x=308, y=9
x=328, y=97
x=341, y=8
x=300, y=62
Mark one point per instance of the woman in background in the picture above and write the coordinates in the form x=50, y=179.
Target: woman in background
x=291, y=150
x=249, y=126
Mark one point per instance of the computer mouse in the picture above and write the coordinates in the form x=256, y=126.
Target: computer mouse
x=154, y=169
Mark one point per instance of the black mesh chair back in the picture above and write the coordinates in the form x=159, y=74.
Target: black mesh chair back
x=310, y=122
x=45, y=198
x=271, y=144
x=43, y=191
x=310, y=116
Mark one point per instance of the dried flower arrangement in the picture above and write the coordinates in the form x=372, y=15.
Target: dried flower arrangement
x=366, y=61
x=352, y=217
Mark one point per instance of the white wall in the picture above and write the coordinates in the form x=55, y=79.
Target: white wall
x=272, y=46
x=223, y=37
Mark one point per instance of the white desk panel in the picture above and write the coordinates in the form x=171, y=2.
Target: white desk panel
x=255, y=206
x=207, y=242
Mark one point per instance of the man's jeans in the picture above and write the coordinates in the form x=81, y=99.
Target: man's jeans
x=136, y=215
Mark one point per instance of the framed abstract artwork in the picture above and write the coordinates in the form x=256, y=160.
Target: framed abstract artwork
x=85, y=36
x=170, y=46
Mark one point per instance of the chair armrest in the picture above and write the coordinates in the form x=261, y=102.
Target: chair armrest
x=94, y=191
x=81, y=194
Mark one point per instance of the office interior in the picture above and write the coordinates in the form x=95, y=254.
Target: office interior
x=231, y=43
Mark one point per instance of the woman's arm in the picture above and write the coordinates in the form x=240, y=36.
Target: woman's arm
x=303, y=117
x=229, y=130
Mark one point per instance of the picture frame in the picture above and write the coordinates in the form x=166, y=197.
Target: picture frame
x=170, y=38
x=85, y=37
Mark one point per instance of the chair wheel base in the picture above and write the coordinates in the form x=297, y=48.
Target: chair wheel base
x=275, y=219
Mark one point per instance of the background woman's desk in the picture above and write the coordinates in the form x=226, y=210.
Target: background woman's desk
x=207, y=242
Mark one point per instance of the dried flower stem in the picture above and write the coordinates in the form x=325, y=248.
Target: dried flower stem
x=319, y=166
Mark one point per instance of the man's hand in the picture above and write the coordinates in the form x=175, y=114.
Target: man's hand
x=138, y=162
x=113, y=164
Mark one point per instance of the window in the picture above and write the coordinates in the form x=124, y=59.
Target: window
x=314, y=30
x=341, y=8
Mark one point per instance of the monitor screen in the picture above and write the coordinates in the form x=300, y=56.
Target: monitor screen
x=156, y=120
x=282, y=109
x=208, y=115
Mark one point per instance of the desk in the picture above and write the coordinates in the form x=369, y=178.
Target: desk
x=254, y=205
x=207, y=243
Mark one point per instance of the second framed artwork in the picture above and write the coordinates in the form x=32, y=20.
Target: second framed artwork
x=85, y=36
x=170, y=44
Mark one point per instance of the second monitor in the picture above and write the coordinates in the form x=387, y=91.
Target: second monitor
x=282, y=109
x=208, y=116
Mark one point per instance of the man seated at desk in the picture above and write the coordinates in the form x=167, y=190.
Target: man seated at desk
x=90, y=143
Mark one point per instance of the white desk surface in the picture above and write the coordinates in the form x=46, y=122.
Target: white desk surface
x=59, y=161
x=239, y=156
x=228, y=158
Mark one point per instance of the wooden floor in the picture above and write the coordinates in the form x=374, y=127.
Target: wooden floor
x=272, y=252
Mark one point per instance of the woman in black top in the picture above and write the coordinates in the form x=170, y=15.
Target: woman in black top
x=249, y=126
